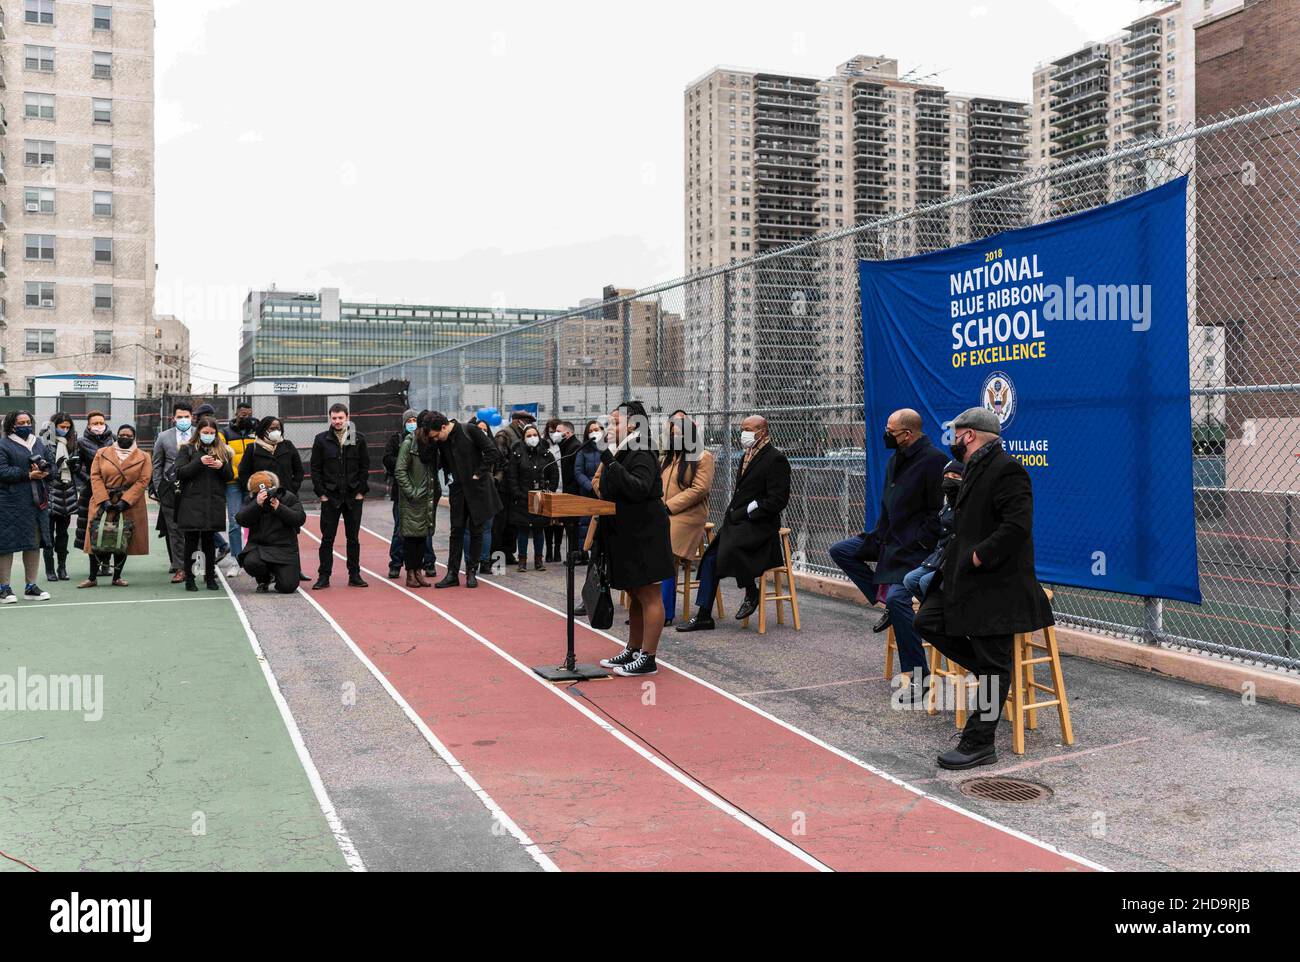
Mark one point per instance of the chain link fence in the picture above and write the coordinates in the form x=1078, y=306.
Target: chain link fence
x=780, y=335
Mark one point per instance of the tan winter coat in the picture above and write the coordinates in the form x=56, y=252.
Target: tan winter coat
x=688, y=507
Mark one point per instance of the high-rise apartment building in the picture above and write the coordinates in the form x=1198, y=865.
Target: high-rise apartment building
x=1108, y=94
x=590, y=345
x=77, y=195
x=773, y=159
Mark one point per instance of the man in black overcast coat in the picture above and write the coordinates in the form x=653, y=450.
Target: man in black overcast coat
x=987, y=589
x=906, y=531
x=469, y=456
x=749, y=540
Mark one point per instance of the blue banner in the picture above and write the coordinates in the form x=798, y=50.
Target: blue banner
x=1075, y=334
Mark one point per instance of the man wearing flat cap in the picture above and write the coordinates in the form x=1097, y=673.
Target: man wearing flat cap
x=987, y=590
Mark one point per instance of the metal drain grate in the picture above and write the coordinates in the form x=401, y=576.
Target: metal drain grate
x=1012, y=790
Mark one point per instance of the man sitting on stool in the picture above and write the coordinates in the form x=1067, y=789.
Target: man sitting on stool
x=987, y=591
x=906, y=531
x=749, y=541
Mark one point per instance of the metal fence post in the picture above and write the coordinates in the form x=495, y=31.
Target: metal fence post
x=555, y=367
x=627, y=350
x=726, y=385
x=1153, y=626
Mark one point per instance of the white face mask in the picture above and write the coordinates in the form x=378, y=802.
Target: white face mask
x=748, y=439
x=275, y=437
x=556, y=437
x=596, y=435
x=207, y=438
x=533, y=441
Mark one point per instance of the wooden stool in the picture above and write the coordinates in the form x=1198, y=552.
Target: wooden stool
x=1022, y=705
x=941, y=670
x=687, y=583
x=791, y=596
x=891, y=643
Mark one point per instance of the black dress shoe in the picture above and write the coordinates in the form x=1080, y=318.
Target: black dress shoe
x=470, y=580
x=303, y=577
x=580, y=611
x=450, y=580
x=485, y=568
x=321, y=583
x=966, y=755
x=882, y=623
x=747, y=607
x=431, y=572
x=668, y=622
x=356, y=581
x=701, y=622
x=394, y=574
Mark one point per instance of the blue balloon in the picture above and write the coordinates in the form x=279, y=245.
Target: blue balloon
x=490, y=416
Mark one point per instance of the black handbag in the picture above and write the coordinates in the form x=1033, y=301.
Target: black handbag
x=595, y=592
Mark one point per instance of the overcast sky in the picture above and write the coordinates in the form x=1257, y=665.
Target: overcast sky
x=503, y=154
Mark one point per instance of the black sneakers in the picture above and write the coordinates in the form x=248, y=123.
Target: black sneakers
x=624, y=657
x=35, y=593
x=642, y=664
x=7, y=596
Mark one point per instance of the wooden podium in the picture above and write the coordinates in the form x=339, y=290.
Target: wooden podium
x=569, y=508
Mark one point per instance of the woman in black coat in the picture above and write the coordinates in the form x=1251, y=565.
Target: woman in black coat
x=203, y=468
x=636, y=540
x=96, y=436
x=273, y=516
x=271, y=452
x=530, y=468
x=60, y=439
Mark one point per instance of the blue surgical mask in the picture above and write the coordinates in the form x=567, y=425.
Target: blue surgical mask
x=62, y=432
x=410, y=427
x=183, y=424
x=207, y=438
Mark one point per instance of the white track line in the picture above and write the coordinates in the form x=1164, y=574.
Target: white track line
x=701, y=790
x=806, y=735
x=350, y=854
x=506, y=822
x=86, y=604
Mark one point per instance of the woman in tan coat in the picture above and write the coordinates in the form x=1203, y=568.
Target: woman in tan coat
x=119, y=478
x=687, y=473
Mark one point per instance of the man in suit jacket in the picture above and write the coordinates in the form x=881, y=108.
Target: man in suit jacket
x=749, y=541
x=906, y=531
x=988, y=591
x=165, y=448
x=468, y=458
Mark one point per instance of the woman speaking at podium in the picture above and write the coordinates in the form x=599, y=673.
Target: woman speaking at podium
x=635, y=540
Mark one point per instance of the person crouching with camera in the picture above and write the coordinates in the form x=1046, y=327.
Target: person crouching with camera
x=273, y=516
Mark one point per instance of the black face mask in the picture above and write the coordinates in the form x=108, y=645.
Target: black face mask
x=958, y=451
x=891, y=442
x=125, y=442
x=950, y=488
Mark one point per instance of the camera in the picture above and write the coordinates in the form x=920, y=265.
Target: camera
x=39, y=463
x=270, y=493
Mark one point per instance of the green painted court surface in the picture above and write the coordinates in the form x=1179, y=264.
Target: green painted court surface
x=191, y=766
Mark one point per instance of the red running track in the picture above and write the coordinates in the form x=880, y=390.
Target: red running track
x=606, y=777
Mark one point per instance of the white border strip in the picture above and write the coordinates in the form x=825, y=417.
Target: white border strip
x=689, y=783
x=810, y=737
x=504, y=820
x=42, y=605
x=350, y=854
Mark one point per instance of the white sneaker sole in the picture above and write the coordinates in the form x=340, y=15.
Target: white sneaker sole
x=635, y=674
x=11, y=600
x=44, y=596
